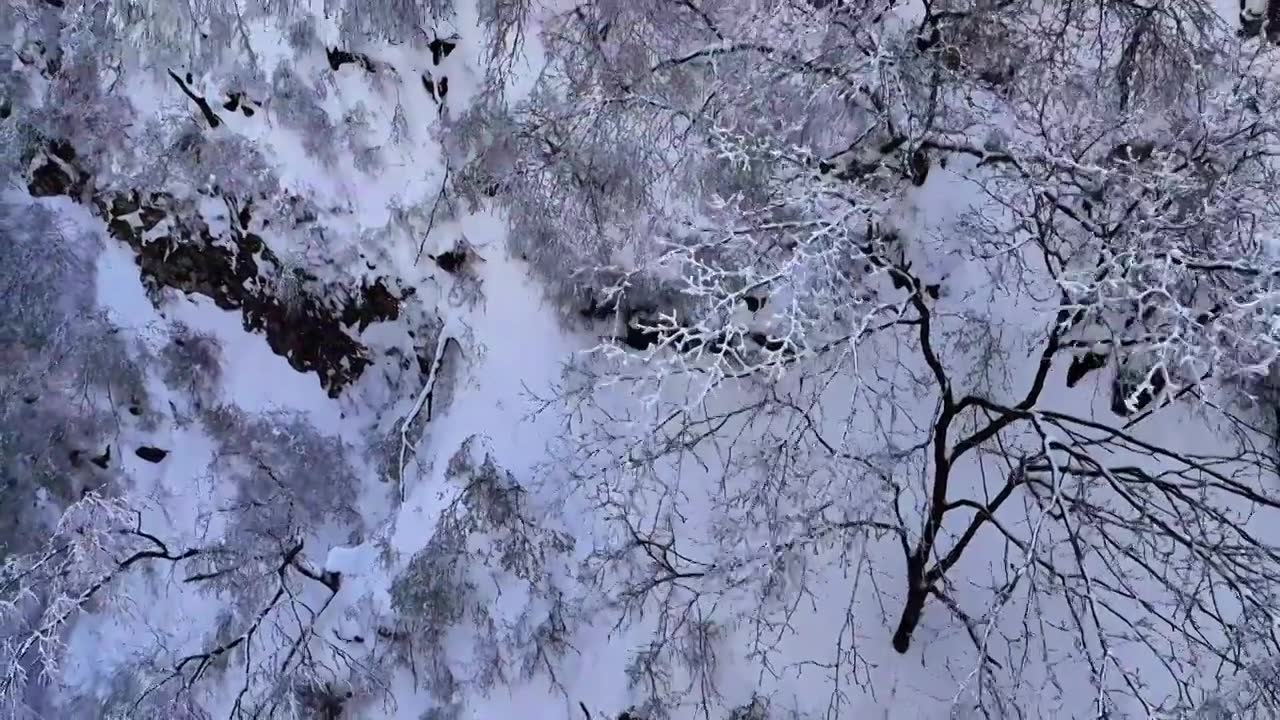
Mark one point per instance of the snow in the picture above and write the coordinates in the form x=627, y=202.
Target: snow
x=513, y=346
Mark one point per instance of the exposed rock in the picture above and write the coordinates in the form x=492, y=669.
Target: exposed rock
x=238, y=271
x=63, y=151
x=374, y=303
x=125, y=204
x=150, y=217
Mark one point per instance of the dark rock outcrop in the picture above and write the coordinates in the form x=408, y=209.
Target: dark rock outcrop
x=176, y=249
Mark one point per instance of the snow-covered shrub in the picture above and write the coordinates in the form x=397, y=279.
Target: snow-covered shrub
x=192, y=363
x=297, y=104
x=678, y=666
x=79, y=107
x=447, y=711
x=289, y=478
x=322, y=702
x=561, y=234
x=757, y=709
x=43, y=592
x=301, y=34
x=189, y=158
x=65, y=372
x=488, y=534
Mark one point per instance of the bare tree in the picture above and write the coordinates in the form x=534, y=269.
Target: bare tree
x=893, y=235
x=273, y=650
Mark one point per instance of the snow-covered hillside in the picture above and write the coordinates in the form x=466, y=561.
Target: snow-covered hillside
x=724, y=360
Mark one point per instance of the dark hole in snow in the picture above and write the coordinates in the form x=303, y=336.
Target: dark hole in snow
x=923, y=43
x=233, y=103
x=599, y=310
x=246, y=111
x=768, y=343
x=919, y=167
x=63, y=151
x=1126, y=389
x=442, y=87
x=151, y=454
x=1083, y=365
x=754, y=302
x=951, y=58
x=339, y=57
x=103, y=459
x=892, y=144
x=134, y=410
x=451, y=261
x=1132, y=152
x=49, y=180
x=429, y=85
x=996, y=76
x=374, y=303
x=640, y=338
x=440, y=48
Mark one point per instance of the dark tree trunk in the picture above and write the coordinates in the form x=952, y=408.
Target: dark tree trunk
x=917, y=591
